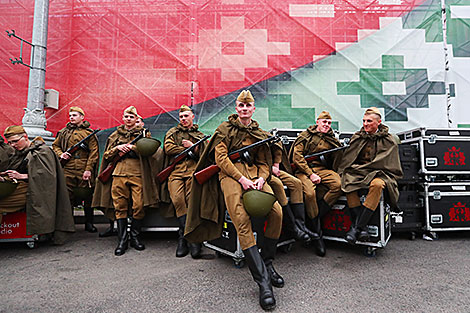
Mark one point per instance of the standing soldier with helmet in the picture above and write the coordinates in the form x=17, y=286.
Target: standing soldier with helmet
x=177, y=139
x=317, y=138
x=80, y=167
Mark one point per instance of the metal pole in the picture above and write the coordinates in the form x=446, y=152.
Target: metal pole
x=34, y=119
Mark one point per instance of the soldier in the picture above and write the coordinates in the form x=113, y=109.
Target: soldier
x=372, y=162
x=177, y=139
x=81, y=167
x=293, y=214
x=131, y=182
x=41, y=186
x=316, y=138
x=205, y=214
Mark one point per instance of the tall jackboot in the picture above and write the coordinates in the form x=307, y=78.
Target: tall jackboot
x=89, y=227
x=261, y=277
x=123, y=236
x=136, y=226
x=195, y=250
x=298, y=209
x=110, y=231
x=291, y=225
x=363, y=234
x=352, y=235
x=268, y=252
x=182, y=247
x=318, y=242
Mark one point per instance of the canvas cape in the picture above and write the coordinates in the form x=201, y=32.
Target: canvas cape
x=385, y=164
x=148, y=166
x=206, y=203
x=48, y=206
x=7, y=153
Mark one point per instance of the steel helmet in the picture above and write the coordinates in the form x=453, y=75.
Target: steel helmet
x=258, y=203
x=147, y=146
x=7, y=187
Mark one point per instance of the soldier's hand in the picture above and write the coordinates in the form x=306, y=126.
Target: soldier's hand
x=246, y=183
x=187, y=143
x=86, y=175
x=65, y=156
x=15, y=175
x=124, y=148
x=259, y=183
x=276, y=170
x=315, y=178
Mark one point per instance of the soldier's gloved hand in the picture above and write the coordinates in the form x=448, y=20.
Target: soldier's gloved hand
x=315, y=178
x=86, y=175
x=276, y=170
x=259, y=183
x=246, y=183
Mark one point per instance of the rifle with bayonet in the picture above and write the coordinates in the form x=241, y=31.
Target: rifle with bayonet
x=188, y=152
x=79, y=145
x=319, y=155
x=244, y=154
x=106, y=174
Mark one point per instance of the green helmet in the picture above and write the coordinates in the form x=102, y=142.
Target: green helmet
x=82, y=192
x=258, y=203
x=7, y=188
x=147, y=146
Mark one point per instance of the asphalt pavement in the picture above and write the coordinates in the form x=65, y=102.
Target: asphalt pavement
x=85, y=276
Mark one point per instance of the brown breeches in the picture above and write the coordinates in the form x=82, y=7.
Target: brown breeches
x=376, y=187
x=179, y=188
x=330, y=179
x=16, y=201
x=292, y=183
x=232, y=191
x=123, y=190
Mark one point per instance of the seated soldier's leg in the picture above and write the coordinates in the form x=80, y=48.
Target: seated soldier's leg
x=309, y=190
x=355, y=208
x=288, y=216
x=332, y=181
x=376, y=187
x=16, y=201
x=121, y=194
x=232, y=191
x=194, y=248
x=138, y=212
x=176, y=190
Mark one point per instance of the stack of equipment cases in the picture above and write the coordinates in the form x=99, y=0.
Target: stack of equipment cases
x=410, y=219
x=445, y=176
x=13, y=229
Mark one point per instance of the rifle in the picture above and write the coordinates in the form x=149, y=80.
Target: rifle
x=163, y=175
x=244, y=153
x=105, y=175
x=75, y=147
x=321, y=155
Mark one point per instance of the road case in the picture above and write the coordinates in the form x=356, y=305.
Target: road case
x=410, y=162
x=411, y=215
x=433, y=132
x=447, y=206
x=338, y=221
x=229, y=245
x=13, y=229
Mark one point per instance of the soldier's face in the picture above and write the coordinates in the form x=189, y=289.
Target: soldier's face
x=140, y=123
x=323, y=125
x=129, y=120
x=245, y=110
x=19, y=142
x=76, y=118
x=186, y=119
x=371, y=123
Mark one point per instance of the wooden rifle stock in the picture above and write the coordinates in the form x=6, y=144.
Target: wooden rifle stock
x=106, y=174
x=75, y=147
x=205, y=174
x=164, y=174
x=312, y=157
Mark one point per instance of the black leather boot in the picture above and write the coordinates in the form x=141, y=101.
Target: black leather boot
x=298, y=209
x=123, y=236
x=261, y=277
x=268, y=252
x=318, y=243
x=323, y=208
x=136, y=226
x=89, y=227
x=363, y=234
x=182, y=247
x=291, y=225
x=195, y=250
x=110, y=231
x=351, y=235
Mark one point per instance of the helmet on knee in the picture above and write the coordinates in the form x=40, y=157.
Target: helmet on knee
x=258, y=203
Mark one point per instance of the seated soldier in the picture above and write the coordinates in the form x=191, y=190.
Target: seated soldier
x=371, y=162
x=38, y=172
x=317, y=138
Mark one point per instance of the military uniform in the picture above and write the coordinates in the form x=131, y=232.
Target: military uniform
x=81, y=161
